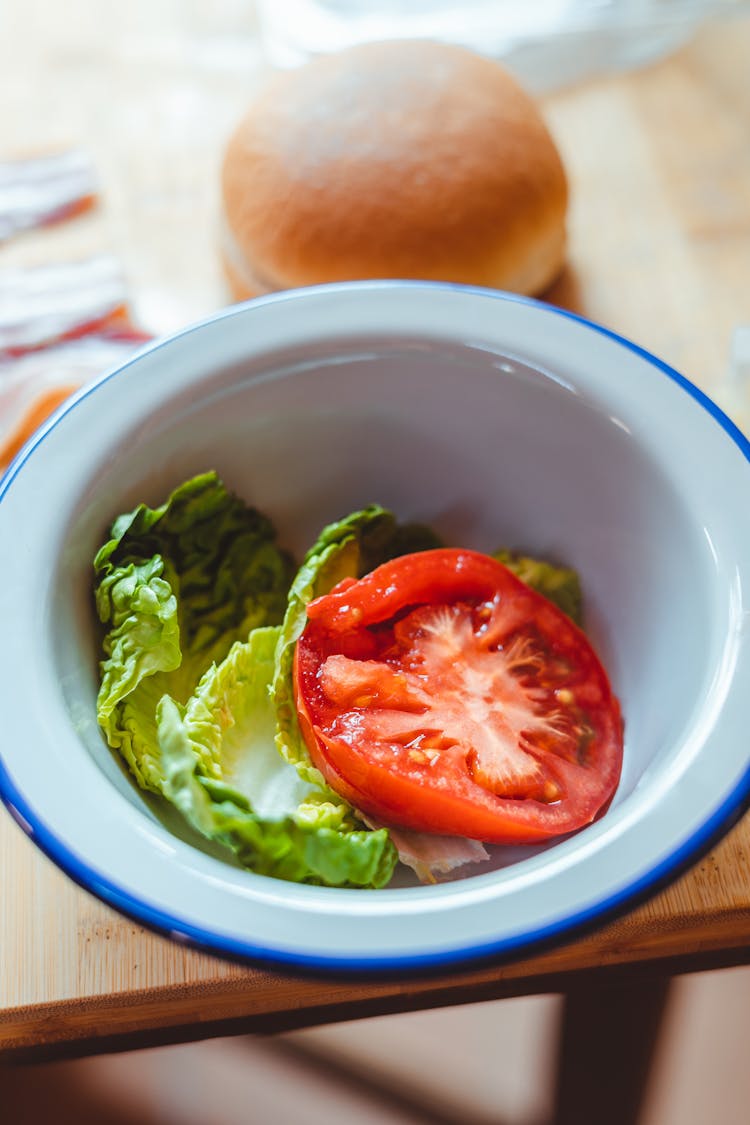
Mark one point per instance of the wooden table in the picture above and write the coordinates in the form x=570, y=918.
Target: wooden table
x=660, y=250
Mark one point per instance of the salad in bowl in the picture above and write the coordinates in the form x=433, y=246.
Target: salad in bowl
x=391, y=699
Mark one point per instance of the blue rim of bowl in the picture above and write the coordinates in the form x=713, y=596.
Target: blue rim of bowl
x=205, y=940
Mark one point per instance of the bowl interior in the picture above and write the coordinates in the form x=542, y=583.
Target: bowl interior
x=487, y=448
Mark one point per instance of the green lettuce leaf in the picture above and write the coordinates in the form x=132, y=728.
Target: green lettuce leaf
x=559, y=584
x=254, y=802
x=232, y=575
x=191, y=595
x=175, y=587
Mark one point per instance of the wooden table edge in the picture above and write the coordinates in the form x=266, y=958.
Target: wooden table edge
x=251, y=1004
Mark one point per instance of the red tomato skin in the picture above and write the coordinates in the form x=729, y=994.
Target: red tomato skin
x=449, y=574
x=446, y=576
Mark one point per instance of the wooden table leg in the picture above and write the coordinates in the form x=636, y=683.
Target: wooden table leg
x=607, y=1039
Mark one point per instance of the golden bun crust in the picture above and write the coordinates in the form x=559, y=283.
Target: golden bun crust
x=407, y=159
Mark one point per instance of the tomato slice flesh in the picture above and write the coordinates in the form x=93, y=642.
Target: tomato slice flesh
x=476, y=708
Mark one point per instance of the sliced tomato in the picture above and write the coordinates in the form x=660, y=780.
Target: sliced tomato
x=440, y=693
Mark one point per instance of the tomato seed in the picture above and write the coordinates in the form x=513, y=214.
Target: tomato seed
x=551, y=792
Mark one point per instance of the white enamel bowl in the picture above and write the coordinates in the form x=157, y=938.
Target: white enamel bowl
x=497, y=421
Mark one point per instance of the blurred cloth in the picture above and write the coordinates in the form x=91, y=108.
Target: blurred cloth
x=44, y=190
x=60, y=326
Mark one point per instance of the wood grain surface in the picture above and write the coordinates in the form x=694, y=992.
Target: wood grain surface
x=659, y=163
